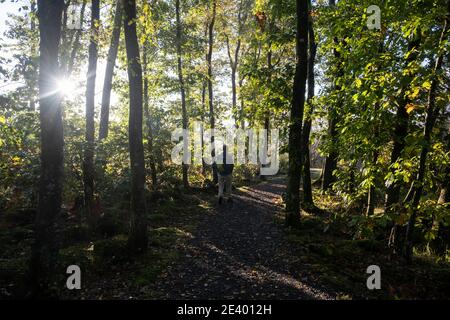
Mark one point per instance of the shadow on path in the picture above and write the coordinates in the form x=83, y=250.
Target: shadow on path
x=239, y=252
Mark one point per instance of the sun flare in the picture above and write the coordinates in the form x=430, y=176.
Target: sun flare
x=66, y=87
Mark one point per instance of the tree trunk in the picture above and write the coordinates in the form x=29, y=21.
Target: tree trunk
x=267, y=110
x=307, y=189
x=76, y=42
x=241, y=108
x=399, y=136
x=88, y=164
x=64, y=47
x=331, y=159
x=431, y=114
x=32, y=97
x=371, y=195
x=444, y=194
x=149, y=120
x=210, y=85
x=298, y=103
x=444, y=197
x=185, y=166
x=233, y=66
x=45, y=247
x=401, y=127
x=203, y=123
x=138, y=239
x=109, y=72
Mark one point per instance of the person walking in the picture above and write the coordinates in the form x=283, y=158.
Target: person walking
x=225, y=176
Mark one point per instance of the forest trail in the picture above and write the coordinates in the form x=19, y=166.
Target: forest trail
x=240, y=252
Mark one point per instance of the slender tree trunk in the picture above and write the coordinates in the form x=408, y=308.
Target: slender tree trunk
x=149, y=120
x=307, y=188
x=138, y=239
x=204, y=87
x=210, y=84
x=330, y=163
x=233, y=66
x=444, y=197
x=234, y=93
x=267, y=111
x=399, y=136
x=182, y=88
x=444, y=194
x=371, y=195
x=242, y=106
x=88, y=164
x=203, y=123
x=431, y=114
x=32, y=98
x=298, y=103
x=64, y=47
x=76, y=43
x=401, y=127
x=331, y=160
x=109, y=72
x=45, y=247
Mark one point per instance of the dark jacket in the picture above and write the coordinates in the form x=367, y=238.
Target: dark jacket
x=225, y=168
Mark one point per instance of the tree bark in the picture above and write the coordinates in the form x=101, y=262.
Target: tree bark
x=431, y=113
x=76, y=42
x=298, y=103
x=307, y=188
x=203, y=123
x=331, y=160
x=401, y=126
x=210, y=85
x=444, y=197
x=138, y=239
x=88, y=163
x=330, y=163
x=371, y=195
x=234, y=62
x=32, y=97
x=109, y=72
x=179, y=35
x=149, y=120
x=399, y=136
x=45, y=247
x=444, y=194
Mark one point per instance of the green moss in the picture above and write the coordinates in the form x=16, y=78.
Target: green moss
x=153, y=265
x=111, y=251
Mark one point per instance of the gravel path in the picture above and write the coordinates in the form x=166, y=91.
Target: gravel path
x=239, y=252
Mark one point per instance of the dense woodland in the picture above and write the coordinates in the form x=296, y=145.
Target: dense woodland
x=91, y=92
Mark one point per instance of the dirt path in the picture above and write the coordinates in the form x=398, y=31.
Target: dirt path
x=239, y=252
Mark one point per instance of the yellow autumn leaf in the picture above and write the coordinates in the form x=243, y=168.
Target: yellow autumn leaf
x=410, y=107
x=16, y=160
x=415, y=93
x=427, y=85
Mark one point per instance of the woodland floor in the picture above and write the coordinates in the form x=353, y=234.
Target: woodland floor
x=241, y=250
